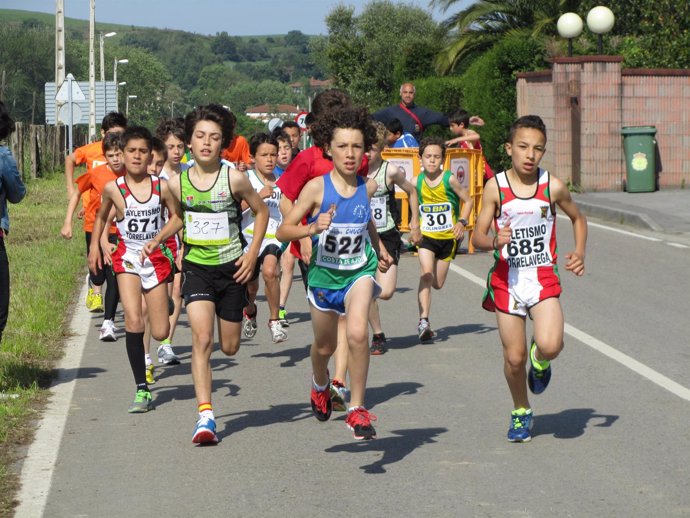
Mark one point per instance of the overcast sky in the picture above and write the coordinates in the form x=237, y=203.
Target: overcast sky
x=238, y=18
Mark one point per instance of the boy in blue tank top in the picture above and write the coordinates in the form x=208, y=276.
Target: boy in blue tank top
x=344, y=259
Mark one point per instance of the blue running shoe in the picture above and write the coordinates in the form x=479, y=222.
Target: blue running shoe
x=205, y=432
x=520, y=425
x=539, y=376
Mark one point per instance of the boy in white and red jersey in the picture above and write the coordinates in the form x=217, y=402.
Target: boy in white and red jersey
x=521, y=205
x=137, y=199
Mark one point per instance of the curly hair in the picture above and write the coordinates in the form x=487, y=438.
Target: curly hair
x=213, y=113
x=167, y=127
x=433, y=141
x=346, y=118
x=328, y=100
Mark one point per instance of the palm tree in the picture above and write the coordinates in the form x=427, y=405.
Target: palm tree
x=482, y=24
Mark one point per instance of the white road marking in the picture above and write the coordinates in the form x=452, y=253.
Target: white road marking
x=617, y=230
x=599, y=346
x=39, y=463
x=677, y=245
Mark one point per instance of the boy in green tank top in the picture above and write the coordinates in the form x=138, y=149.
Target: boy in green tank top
x=214, y=268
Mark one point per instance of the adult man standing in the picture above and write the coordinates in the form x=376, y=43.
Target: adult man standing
x=415, y=119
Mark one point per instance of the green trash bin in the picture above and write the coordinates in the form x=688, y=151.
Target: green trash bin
x=639, y=146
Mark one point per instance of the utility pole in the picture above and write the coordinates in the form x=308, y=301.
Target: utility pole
x=59, y=49
x=92, y=71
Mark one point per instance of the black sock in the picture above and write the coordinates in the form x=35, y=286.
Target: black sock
x=382, y=336
x=137, y=357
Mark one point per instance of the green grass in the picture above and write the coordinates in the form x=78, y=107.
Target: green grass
x=45, y=272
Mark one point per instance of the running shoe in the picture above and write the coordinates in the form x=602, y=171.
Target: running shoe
x=359, y=421
x=339, y=395
x=94, y=302
x=149, y=374
x=142, y=402
x=107, y=332
x=321, y=403
x=166, y=356
x=378, y=345
x=205, y=431
x=520, y=425
x=424, y=331
x=282, y=318
x=249, y=326
x=539, y=373
x=277, y=333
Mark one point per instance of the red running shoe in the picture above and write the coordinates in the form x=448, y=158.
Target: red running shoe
x=321, y=403
x=359, y=421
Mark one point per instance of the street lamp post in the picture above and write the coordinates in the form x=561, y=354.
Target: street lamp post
x=122, y=61
x=569, y=26
x=127, y=104
x=105, y=89
x=600, y=20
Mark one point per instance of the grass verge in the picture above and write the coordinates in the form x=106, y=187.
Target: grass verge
x=44, y=270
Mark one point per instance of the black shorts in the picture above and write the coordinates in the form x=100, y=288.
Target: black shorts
x=216, y=284
x=269, y=250
x=443, y=249
x=392, y=241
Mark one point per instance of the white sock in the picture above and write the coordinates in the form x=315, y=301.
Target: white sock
x=148, y=360
x=318, y=388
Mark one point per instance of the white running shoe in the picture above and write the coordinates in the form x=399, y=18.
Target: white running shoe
x=278, y=334
x=108, y=330
x=166, y=356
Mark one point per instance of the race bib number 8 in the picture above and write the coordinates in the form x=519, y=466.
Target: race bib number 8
x=436, y=217
x=378, y=211
x=206, y=228
x=342, y=247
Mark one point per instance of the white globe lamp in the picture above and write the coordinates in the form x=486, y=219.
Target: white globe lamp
x=569, y=26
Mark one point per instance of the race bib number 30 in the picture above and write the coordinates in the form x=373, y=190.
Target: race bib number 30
x=206, y=229
x=436, y=217
x=342, y=247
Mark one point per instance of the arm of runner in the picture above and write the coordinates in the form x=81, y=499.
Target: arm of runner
x=70, y=164
x=95, y=262
x=242, y=188
x=66, y=231
x=107, y=248
x=480, y=237
x=467, y=204
x=561, y=196
x=396, y=176
x=170, y=195
x=291, y=228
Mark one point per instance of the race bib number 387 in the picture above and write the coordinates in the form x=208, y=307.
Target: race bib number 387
x=206, y=229
x=342, y=247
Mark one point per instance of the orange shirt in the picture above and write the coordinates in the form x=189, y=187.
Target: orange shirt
x=237, y=151
x=92, y=156
x=93, y=182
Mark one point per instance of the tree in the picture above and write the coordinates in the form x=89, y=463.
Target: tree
x=298, y=41
x=224, y=46
x=480, y=26
x=369, y=55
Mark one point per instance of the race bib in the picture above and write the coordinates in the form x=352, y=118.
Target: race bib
x=342, y=246
x=436, y=217
x=378, y=211
x=528, y=247
x=207, y=228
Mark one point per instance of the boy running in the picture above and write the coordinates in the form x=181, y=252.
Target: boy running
x=344, y=260
x=387, y=176
x=206, y=200
x=264, y=149
x=441, y=222
x=521, y=204
x=137, y=199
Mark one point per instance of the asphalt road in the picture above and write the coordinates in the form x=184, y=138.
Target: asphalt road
x=611, y=433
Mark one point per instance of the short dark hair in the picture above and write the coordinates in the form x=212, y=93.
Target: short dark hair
x=111, y=141
x=136, y=132
x=113, y=120
x=167, y=127
x=280, y=136
x=291, y=124
x=433, y=141
x=213, y=113
x=527, y=121
x=394, y=126
x=345, y=118
x=7, y=125
x=261, y=138
x=159, y=146
x=329, y=100
x=460, y=117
